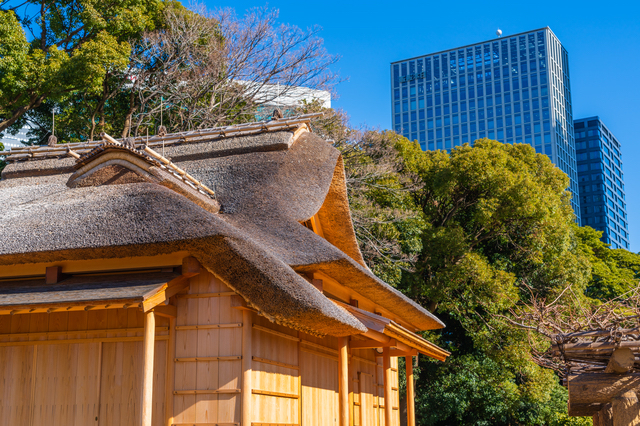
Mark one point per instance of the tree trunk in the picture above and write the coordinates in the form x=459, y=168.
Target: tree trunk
x=127, y=121
x=19, y=112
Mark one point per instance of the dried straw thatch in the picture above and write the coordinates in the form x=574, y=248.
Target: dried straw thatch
x=250, y=235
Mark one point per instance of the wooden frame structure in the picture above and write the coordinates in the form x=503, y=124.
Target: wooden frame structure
x=193, y=307
x=603, y=376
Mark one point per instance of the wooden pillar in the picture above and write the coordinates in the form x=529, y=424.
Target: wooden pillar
x=388, y=405
x=147, y=373
x=343, y=381
x=606, y=415
x=626, y=411
x=247, y=327
x=171, y=370
x=411, y=408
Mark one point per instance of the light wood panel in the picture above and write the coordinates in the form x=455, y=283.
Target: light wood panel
x=71, y=368
x=367, y=389
x=275, y=378
x=319, y=389
x=208, y=352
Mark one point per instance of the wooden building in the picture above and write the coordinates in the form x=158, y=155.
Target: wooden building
x=202, y=278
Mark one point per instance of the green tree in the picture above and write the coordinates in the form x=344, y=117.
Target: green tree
x=73, y=45
x=613, y=272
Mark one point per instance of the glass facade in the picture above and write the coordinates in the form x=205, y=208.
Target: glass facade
x=512, y=89
x=601, y=181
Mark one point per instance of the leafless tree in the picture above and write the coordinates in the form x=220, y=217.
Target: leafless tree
x=571, y=318
x=208, y=69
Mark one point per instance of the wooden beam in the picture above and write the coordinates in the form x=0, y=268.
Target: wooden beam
x=626, y=409
x=237, y=302
x=621, y=361
x=247, y=353
x=376, y=335
x=317, y=284
x=372, y=344
x=386, y=366
x=583, y=410
x=169, y=311
x=600, y=388
x=147, y=372
x=343, y=380
x=190, y=267
x=54, y=275
x=171, y=371
x=411, y=408
x=405, y=353
x=170, y=289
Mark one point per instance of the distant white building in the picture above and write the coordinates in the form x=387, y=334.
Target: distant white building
x=271, y=96
x=15, y=141
x=286, y=97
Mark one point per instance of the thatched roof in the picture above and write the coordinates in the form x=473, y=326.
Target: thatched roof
x=250, y=235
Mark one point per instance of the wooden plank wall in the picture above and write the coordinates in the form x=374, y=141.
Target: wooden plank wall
x=363, y=362
x=208, y=364
x=280, y=355
x=275, y=379
x=76, y=368
x=368, y=363
x=319, y=372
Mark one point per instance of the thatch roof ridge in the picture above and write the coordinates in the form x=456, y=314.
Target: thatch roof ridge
x=244, y=129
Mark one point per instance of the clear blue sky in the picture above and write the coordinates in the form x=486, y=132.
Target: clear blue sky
x=602, y=38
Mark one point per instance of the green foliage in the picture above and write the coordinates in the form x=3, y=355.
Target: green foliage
x=77, y=44
x=613, y=272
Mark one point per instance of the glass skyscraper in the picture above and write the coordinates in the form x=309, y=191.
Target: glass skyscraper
x=513, y=89
x=602, y=197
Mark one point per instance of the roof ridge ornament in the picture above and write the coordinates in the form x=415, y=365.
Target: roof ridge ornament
x=162, y=138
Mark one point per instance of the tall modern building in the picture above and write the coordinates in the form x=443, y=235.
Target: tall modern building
x=514, y=89
x=601, y=182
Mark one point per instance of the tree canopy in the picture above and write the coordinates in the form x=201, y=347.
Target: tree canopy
x=130, y=66
x=475, y=235
x=51, y=48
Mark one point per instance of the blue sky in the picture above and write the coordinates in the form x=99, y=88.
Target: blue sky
x=602, y=38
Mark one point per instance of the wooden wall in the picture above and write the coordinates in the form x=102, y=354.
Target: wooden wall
x=208, y=366
x=295, y=380
x=83, y=368
x=76, y=368
x=366, y=389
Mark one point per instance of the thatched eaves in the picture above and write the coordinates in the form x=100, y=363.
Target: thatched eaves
x=265, y=185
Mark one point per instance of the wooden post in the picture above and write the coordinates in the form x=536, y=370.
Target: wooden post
x=596, y=419
x=171, y=371
x=626, y=410
x=343, y=381
x=247, y=353
x=411, y=408
x=606, y=415
x=147, y=372
x=386, y=366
